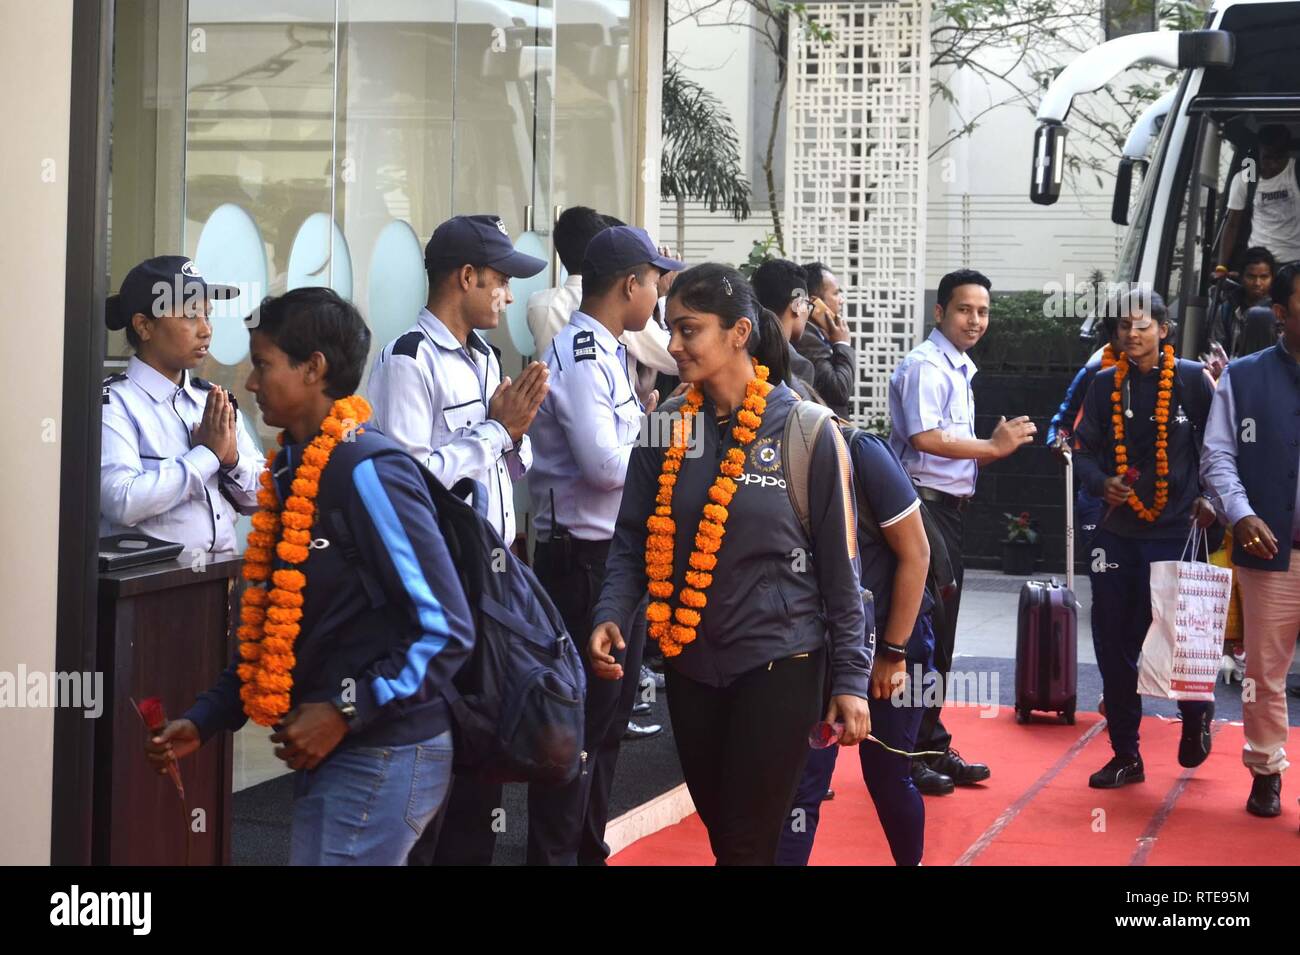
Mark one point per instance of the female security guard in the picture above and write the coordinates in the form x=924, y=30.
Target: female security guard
x=1147, y=413
x=176, y=461
x=742, y=599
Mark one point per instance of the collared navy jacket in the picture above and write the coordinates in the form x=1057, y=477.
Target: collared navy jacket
x=394, y=634
x=775, y=593
x=1095, y=460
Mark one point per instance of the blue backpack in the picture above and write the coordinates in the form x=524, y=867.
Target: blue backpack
x=517, y=703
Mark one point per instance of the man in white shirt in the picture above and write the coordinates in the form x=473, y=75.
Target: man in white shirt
x=1275, y=209
x=437, y=389
x=549, y=310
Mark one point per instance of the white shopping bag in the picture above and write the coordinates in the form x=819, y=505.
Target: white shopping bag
x=1189, y=613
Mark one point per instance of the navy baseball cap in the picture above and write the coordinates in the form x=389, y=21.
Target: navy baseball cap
x=157, y=286
x=478, y=241
x=623, y=247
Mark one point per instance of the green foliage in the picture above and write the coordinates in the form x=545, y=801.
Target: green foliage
x=977, y=38
x=1020, y=528
x=1023, y=336
x=701, y=153
x=879, y=426
x=763, y=250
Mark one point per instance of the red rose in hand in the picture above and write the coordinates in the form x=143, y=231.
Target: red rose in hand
x=155, y=719
x=152, y=712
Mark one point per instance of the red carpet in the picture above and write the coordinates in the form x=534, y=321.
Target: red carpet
x=1037, y=808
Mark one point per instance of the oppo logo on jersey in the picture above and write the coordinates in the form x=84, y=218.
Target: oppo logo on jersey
x=762, y=480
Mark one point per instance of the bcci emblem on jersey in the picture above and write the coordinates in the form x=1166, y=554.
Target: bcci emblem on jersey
x=765, y=455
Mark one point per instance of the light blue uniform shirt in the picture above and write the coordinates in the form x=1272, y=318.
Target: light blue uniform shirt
x=430, y=394
x=931, y=389
x=1219, y=459
x=153, y=480
x=584, y=432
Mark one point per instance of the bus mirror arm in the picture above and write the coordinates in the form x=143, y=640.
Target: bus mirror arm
x=1098, y=66
x=1123, y=188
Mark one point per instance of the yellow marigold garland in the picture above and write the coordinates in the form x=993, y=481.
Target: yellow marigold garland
x=270, y=619
x=1163, y=399
x=674, y=628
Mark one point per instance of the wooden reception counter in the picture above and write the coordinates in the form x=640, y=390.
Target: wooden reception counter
x=164, y=630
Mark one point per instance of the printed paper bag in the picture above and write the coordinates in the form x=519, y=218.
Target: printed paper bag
x=1189, y=612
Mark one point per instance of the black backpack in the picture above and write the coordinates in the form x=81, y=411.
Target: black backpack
x=517, y=703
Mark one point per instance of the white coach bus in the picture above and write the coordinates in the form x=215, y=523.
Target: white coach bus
x=1240, y=73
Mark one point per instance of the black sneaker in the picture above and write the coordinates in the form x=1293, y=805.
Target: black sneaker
x=1120, y=771
x=1195, y=743
x=928, y=782
x=1265, y=796
x=962, y=772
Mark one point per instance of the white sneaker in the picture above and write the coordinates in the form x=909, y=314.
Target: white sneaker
x=1233, y=667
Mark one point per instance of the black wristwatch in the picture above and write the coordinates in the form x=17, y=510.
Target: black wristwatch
x=892, y=651
x=347, y=710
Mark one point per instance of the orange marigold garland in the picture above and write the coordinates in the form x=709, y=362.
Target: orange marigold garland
x=675, y=627
x=270, y=619
x=1163, y=400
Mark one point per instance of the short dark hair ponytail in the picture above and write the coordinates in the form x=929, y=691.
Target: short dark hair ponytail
x=721, y=290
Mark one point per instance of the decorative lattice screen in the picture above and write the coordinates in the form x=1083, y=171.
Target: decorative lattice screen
x=855, y=174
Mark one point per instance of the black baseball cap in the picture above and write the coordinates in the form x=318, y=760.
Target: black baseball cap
x=624, y=247
x=478, y=241
x=156, y=286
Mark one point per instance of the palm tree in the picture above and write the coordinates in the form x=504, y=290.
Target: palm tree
x=701, y=158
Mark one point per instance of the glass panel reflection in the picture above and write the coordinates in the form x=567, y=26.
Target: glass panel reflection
x=396, y=95
x=594, y=114
x=260, y=137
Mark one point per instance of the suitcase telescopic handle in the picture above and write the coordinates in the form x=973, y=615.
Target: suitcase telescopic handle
x=1069, y=513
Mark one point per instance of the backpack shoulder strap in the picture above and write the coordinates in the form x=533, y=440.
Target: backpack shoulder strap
x=802, y=427
x=341, y=533
x=867, y=521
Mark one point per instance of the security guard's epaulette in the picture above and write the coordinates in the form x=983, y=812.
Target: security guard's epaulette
x=204, y=385
x=584, y=346
x=408, y=344
x=120, y=376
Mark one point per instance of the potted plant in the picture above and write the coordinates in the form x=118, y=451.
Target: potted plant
x=1020, y=546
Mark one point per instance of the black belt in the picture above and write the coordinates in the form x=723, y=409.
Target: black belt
x=950, y=501
x=591, y=551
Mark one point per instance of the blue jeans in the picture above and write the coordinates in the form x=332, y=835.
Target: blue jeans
x=888, y=776
x=367, y=805
x=1121, y=616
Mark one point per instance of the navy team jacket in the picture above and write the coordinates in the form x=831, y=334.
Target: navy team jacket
x=398, y=631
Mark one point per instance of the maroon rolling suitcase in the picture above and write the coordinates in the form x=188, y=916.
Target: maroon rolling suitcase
x=1047, y=633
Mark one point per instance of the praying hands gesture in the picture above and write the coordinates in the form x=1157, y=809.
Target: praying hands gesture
x=217, y=430
x=514, y=404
